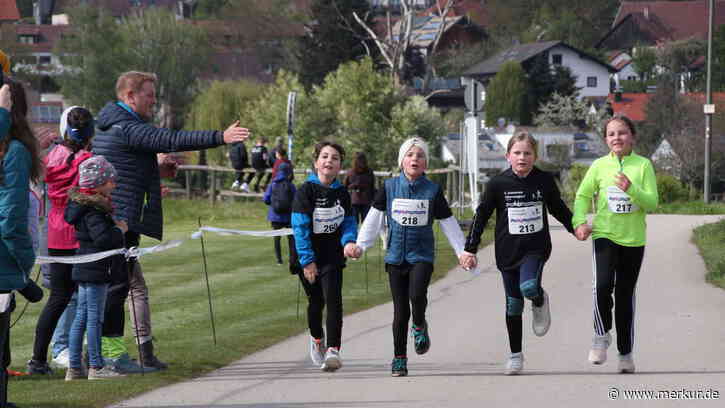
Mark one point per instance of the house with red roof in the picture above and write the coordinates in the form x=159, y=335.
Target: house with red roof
x=9, y=11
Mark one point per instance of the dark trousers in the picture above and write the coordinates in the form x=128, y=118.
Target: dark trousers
x=5, y=352
x=524, y=281
x=360, y=211
x=240, y=176
x=277, y=243
x=61, y=291
x=258, y=175
x=114, y=316
x=616, y=269
x=409, y=287
x=326, y=291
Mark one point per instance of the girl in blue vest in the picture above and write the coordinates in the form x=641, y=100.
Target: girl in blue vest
x=323, y=223
x=410, y=202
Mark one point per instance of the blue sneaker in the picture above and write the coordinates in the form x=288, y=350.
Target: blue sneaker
x=421, y=337
x=125, y=365
x=399, y=367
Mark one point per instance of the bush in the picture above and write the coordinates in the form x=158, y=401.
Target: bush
x=670, y=189
x=574, y=177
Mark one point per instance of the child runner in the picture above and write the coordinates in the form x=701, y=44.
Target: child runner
x=522, y=196
x=323, y=224
x=410, y=202
x=626, y=189
x=89, y=211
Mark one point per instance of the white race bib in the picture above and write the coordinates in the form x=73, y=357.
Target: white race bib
x=619, y=201
x=410, y=213
x=327, y=220
x=526, y=220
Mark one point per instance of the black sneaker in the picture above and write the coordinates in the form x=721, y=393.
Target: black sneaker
x=37, y=367
x=399, y=367
x=421, y=338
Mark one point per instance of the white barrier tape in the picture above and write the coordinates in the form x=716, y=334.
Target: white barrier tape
x=224, y=231
x=164, y=246
x=78, y=259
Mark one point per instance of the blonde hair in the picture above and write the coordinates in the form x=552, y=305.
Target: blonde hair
x=524, y=136
x=132, y=81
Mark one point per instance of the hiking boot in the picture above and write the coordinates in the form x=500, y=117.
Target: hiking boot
x=149, y=359
x=600, y=344
x=333, y=360
x=399, y=367
x=316, y=354
x=74, y=374
x=62, y=360
x=542, y=316
x=125, y=365
x=421, y=338
x=515, y=364
x=626, y=364
x=103, y=373
x=37, y=367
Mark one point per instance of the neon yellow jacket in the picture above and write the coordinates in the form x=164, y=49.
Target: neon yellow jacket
x=628, y=228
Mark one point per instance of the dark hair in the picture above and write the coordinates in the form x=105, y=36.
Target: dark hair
x=78, y=118
x=20, y=129
x=360, y=163
x=282, y=151
x=627, y=121
x=322, y=145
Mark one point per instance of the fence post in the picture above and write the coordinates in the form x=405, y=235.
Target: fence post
x=449, y=186
x=212, y=187
x=187, y=176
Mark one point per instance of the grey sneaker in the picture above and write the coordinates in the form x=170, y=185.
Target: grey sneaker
x=626, y=364
x=333, y=360
x=600, y=344
x=515, y=364
x=542, y=316
x=74, y=374
x=125, y=365
x=103, y=373
x=316, y=354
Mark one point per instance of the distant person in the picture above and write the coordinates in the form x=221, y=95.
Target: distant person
x=625, y=188
x=260, y=163
x=281, y=154
x=279, y=197
x=90, y=211
x=128, y=140
x=240, y=161
x=360, y=182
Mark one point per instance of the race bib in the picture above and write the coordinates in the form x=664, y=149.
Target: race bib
x=526, y=220
x=327, y=220
x=619, y=201
x=410, y=213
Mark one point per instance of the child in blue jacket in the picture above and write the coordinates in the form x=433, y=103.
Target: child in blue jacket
x=279, y=196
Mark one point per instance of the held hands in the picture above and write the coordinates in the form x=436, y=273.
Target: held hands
x=467, y=260
x=6, y=98
x=582, y=232
x=121, y=224
x=310, y=272
x=234, y=133
x=621, y=181
x=352, y=250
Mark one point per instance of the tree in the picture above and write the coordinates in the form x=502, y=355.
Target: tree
x=562, y=111
x=661, y=113
x=415, y=118
x=332, y=38
x=644, y=61
x=718, y=60
x=505, y=94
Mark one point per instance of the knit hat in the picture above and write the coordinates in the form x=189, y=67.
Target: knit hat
x=95, y=171
x=408, y=144
x=79, y=136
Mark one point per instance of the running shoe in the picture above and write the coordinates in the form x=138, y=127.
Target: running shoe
x=600, y=344
x=316, y=354
x=515, y=364
x=626, y=364
x=542, y=316
x=421, y=338
x=399, y=367
x=333, y=360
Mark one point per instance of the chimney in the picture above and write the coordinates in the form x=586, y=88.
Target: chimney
x=618, y=95
x=646, y=12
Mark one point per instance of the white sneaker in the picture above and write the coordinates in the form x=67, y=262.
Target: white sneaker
x=235, y=185
x=542, y=316
x=62, y=360
x=316, y=354
x=103, y=373
x=600, y=344
x=245, y=187
x=626, y=364
x=333, y=360
x=515, y=364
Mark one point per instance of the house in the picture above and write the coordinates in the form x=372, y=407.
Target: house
x=631, y=105
x=9, y=11
x=622, y=62
x=647, y=23
x=592, y=75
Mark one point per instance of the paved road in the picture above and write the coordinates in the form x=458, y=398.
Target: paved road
x=680, y=344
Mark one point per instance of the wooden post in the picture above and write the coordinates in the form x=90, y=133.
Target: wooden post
x=212, y=187
x=449, y=186
x=187, y=175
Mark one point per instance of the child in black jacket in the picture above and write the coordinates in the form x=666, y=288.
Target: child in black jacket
x=90, y=211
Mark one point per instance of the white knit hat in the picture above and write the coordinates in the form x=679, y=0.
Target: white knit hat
x=408, y=144
x=64, y=120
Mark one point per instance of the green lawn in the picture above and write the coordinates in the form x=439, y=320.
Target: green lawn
x=710, y=239
x=254, y=301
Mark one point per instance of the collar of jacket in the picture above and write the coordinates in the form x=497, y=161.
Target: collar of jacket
x=129, y=110
x=413, y=184
x=314, y=179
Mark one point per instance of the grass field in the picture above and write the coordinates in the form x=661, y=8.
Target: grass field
x=710, y=239
x=254, y=300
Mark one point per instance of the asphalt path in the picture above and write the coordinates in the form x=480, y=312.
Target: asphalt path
x=679, y=347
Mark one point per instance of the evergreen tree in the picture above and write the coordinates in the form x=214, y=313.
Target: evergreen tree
x=506, y=95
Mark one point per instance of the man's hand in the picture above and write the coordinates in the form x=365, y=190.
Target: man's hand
x=352, y=250
x=310, y=272
x=582, y=232
x=6, y=100
x=234, y=133
x=167, y=165
x=467, y=260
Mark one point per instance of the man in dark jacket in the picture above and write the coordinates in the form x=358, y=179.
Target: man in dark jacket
x=130, y=142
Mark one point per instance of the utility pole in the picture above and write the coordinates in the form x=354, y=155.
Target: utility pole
x=709, y=108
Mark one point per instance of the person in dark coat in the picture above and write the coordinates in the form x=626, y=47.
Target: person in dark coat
x=360, y=182
x=90, y=212
x=281, y=219
x=240, y=161
x=130, y=142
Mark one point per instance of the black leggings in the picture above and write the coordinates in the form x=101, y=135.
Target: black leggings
x=61, y=290
x=277, y=239
x=616, y=269
x=326, y=291
x=114, y=316
x=519, y=283
x=409, y=287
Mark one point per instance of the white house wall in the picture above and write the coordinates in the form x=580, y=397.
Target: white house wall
x=582, y=68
